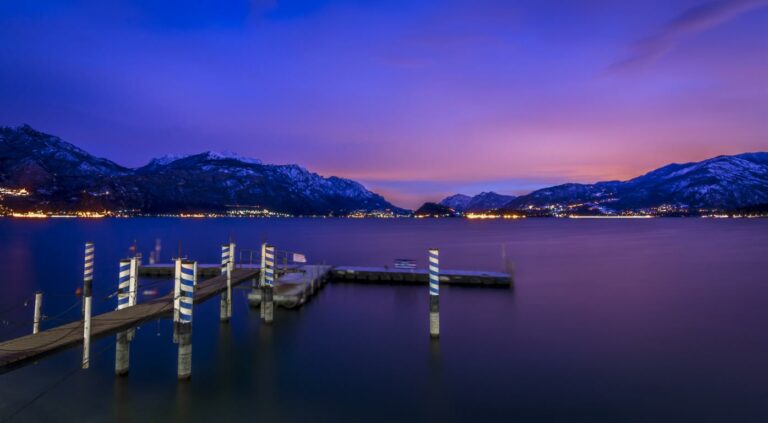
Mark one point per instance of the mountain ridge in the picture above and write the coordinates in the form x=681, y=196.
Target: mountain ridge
x=61, y=176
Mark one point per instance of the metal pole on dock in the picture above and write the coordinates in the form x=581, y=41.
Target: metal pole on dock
x=434, y=293
x=269, y=282
x=176, y=290
x=188, y=280
x=38, y=306
x=87, y=298
x=225, y=270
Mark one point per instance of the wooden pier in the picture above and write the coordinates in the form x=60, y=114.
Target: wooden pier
x=18, y=351
x=294, y=285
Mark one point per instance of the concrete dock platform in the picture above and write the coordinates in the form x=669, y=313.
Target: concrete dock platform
x=295, y=287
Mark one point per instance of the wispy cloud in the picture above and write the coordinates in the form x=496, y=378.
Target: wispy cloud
x=692, y=21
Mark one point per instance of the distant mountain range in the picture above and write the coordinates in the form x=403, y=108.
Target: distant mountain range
x=719, y=183
x=59, y=177
x=482, y=202
x=41, y=172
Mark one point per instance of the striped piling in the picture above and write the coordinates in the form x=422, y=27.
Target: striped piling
x=186, y=279
x=269, y=283
x=125, y=292
x=37, y=315
x=434, y=293
x=262, y=272
x=224, y=306
x=87, y=302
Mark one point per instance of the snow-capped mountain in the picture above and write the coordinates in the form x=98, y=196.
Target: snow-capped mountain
x=723, y=182
x=485, y=201
x=61, y=176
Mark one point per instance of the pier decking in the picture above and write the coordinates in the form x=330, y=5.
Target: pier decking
x=419, y=276
x=17, y=351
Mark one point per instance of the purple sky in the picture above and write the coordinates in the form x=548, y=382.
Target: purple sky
x=416, y=99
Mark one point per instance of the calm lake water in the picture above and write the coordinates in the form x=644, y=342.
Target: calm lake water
x=610, y=320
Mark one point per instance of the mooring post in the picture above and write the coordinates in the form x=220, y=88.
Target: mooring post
x=434, y=293
x=125, y=288
x=133, y=285
x=225, y=271
x=230, y=272
x=38, y=306
x=188, y=280
x=262, y=272
x=124, y=284
x=176, y=290
x=269, y=282
x=87, y=288
x=88, y=270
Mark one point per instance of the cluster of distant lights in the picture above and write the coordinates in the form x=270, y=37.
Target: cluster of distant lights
x=560, y=211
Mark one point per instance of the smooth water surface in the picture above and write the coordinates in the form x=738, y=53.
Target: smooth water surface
x=610, y=320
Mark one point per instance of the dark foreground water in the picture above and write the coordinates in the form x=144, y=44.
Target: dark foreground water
x=620, y=320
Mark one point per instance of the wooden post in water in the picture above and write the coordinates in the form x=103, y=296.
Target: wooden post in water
x=188, y=280
x=38, y=306
x=434, y=293
x=269, y=282
x=87, y=299
x=225, y=270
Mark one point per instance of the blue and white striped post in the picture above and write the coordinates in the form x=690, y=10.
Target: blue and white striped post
x=269, y=283
x=186, y=279
x=124, y=284
x=434, y=292
x=122, y=348
x=224, y=306
x=262, y=273
x=87, y=298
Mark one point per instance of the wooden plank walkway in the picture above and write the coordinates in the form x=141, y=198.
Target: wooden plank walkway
x=21, y=350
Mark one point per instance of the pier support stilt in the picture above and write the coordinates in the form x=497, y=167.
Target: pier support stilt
x=184, y=367
x=37, y=315
x=122, y=353
x=434, y=293
x=87, y=333
x=269, y=305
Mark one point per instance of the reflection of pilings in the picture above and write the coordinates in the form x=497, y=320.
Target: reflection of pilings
x=122, y=353
x=184, y=332
x=434, y=293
